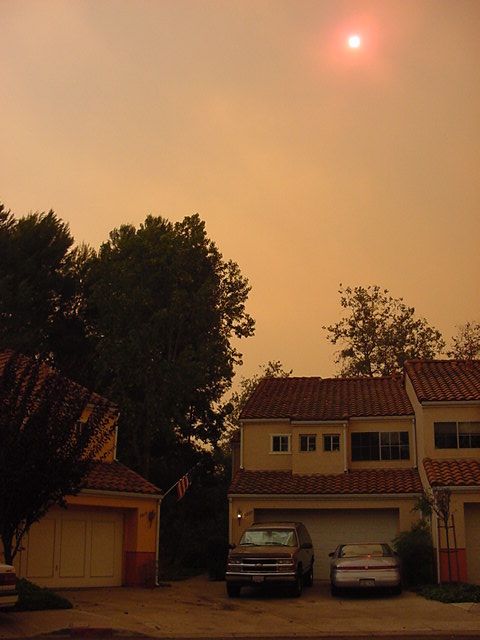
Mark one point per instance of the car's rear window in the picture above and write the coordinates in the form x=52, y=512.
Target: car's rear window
x=262, y=537
x=367, y=550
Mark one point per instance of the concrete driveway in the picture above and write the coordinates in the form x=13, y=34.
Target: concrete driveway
x=201, y=609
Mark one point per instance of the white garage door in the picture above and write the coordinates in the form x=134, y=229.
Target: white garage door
x=329, y=527
x=75, y=548
x=472, y=539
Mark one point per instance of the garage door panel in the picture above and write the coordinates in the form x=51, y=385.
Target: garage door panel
x=73, y=548
x=40, y=550
x=472, y=541
x=76, y=548
x=102, y=563
x=330, y=527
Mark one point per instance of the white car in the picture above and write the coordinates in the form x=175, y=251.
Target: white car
x=8, y=590
x=365, y=566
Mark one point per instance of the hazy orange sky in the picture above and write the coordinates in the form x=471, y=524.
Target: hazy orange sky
x=312, y=164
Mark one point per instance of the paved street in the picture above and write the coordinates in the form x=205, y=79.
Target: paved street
x=198, y=608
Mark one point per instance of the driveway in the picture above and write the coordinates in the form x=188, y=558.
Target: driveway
x=198, y=608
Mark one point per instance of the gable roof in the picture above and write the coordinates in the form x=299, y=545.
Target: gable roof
x=327, y=399
x=363, y=481
x=23, y=362
x=461, y=472
x=445, y=380
x=116, y=477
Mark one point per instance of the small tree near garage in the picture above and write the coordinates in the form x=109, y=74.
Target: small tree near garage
x=51, y=429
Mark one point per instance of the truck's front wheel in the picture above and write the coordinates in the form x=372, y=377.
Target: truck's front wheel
x=298, y=586
x=233, y=590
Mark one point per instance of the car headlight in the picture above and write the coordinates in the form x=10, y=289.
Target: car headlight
x=285, y=565
x=234, y=562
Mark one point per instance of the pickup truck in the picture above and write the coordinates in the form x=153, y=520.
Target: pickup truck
x=279, y=553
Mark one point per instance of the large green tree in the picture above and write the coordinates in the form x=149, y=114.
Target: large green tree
x=379, y=333
x=41, y=291
x=165, y=307
x=47, y=442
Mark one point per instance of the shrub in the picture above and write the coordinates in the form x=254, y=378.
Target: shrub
x=416, y=551
x=454, y=592
x=31, y=597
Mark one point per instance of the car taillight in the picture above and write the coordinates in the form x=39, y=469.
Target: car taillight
x=7, y=579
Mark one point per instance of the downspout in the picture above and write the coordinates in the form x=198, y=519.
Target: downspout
x=241, y=445
x=414, y=438
x=437, y=545
x=157, y=548
x=115, y=441
x=345, y=467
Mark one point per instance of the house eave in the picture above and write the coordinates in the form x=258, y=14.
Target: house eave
x=121, y=494
x=324, y=496
x=456, y=488
x=449, y=403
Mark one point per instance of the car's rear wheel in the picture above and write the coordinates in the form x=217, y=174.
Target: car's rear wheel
x=233, y=590
x=334, y=590
x=308, y=580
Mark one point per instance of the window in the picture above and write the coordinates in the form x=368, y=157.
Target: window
x=280, y=444
x=394, y=445
x=387, y=445
x=308, y=443
x=331, y=442
x=457, y=435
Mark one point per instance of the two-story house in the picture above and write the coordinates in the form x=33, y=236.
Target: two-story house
x=350, y=457
x=107, y=535
x=445, y=395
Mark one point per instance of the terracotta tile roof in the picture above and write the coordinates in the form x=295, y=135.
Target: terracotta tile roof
x=23, y=362
x=114, y=476
x=443, y=380
x=327, y=399
x=368, y=481
x=460, y=472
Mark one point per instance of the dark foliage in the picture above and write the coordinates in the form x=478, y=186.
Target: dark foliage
x=31, y=597
x=48, y=442
x=416, y=551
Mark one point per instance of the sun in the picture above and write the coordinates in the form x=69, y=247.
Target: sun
x=354, y=41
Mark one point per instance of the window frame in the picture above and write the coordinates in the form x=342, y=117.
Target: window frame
x=372, y=447
x=462, y=438
x=310, y=439
x=332, y=438
x=280, y=437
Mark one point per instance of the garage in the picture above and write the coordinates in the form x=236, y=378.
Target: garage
x=74, y=548
x=472, y=540
x=329, y=527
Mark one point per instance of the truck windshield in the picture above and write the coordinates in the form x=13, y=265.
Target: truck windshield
x=262, y=537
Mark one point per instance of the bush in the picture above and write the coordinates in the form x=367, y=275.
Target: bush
x=416, y=551
x=454, y=592
x=217, y=553
x=31, y=597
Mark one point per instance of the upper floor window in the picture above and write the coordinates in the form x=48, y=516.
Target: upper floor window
x=280, y=443
x=331, y=442
x=308, y=443
x=384, y=445
x=457, y=435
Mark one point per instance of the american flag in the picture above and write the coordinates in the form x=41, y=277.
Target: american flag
x=182, y=486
